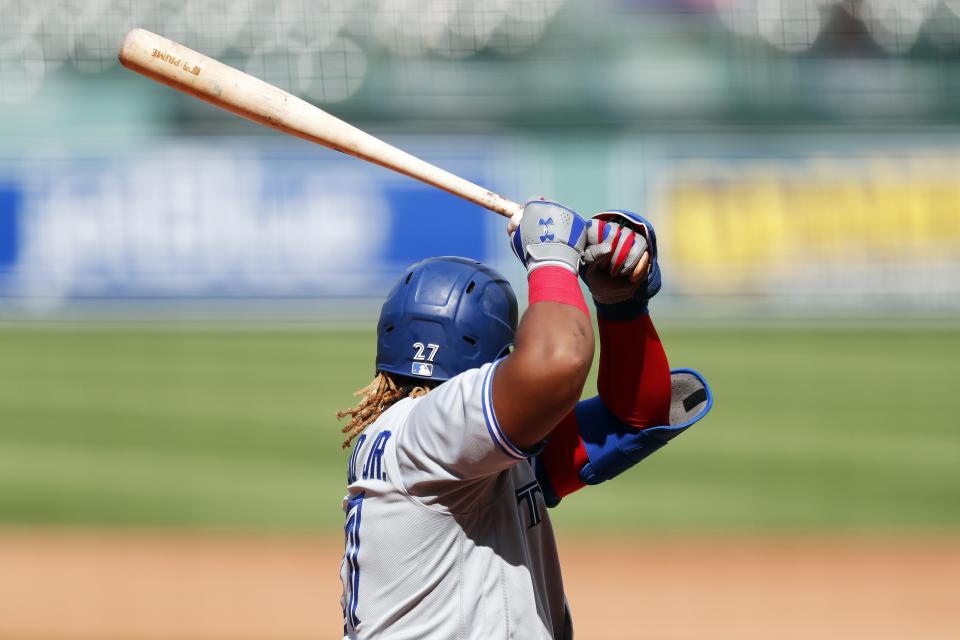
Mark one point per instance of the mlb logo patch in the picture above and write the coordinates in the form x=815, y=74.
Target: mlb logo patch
x=422, y=369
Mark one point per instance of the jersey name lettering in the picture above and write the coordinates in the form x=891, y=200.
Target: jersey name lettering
x=373, y=468
x=352, y=465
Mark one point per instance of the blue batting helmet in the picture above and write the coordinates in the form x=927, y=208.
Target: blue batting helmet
x=444, y=316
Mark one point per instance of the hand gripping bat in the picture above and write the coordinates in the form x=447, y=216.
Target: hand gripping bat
x=186, y=70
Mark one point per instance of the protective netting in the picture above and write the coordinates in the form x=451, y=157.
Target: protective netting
x=315, y=47
x=322, y=48
x=795, y=25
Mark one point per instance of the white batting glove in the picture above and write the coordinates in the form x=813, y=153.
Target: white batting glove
x=615, y=245
x=615, y=261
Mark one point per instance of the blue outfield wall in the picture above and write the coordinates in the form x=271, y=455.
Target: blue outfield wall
x=789, y=225
x=11, y=196
x=229, y=220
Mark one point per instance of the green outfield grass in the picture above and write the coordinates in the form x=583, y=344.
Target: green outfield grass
x=814, y=429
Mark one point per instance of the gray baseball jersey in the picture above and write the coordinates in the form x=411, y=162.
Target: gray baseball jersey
x=447, y=534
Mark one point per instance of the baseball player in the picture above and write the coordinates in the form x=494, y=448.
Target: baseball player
x=473, y=426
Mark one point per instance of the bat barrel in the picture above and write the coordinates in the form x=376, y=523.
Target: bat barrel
x=187, y=70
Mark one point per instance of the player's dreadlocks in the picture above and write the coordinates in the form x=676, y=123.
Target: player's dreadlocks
x=377, y=397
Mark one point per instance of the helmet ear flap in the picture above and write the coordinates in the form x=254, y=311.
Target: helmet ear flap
x=444, y=316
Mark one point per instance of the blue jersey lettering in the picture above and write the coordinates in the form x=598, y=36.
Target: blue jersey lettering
x=373, y=467
x=352, y=465
x=350, y=558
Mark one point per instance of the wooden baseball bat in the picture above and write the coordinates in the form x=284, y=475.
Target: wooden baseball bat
x=186, y=70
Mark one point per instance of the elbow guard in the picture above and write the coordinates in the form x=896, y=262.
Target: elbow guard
x=613, y=446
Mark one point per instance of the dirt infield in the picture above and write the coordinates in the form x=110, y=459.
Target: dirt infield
x=187, y=587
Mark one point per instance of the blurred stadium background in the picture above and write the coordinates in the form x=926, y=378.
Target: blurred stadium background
x=186, y=298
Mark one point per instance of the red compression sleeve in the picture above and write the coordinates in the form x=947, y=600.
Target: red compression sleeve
x=634, y=383
x=556, y=284
x=564, y=455
x=634, y=377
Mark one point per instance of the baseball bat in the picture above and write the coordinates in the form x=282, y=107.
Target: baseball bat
x=186, y=70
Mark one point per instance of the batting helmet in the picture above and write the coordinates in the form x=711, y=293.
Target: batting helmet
x=444, y=316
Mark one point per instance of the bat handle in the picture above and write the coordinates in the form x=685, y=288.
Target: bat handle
x=506, y=208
